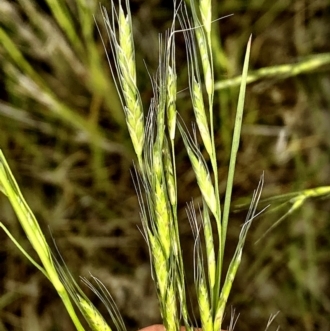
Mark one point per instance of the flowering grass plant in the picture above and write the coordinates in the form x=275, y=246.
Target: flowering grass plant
x=153, y=134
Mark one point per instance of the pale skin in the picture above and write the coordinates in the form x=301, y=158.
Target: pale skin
x=160, y=327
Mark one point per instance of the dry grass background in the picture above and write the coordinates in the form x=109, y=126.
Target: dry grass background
x=62, y=130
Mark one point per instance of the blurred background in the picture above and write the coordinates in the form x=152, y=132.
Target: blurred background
x=62, y=130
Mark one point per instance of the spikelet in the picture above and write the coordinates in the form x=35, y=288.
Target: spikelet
x=92, y=315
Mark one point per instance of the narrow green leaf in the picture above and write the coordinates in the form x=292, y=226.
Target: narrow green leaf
x=235, y=145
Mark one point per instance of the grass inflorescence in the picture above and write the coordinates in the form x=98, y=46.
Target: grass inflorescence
x=157, y=184
x=154, y=133
x=153, y=139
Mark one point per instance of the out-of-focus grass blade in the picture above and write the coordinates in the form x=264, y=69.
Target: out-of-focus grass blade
x=309, y=64
x=282, y=199
x=64, y=20
x=294, y=199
